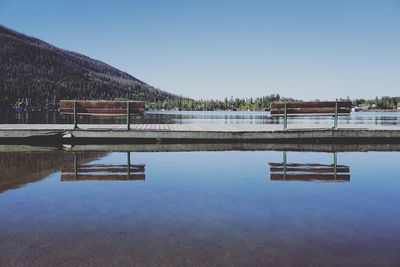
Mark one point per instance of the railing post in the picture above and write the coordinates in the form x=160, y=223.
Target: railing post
x=335, y=123
x=128, y=113
x=75, y=116
x=285, y=118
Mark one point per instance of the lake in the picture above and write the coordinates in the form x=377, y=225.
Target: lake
x=208, y=208
x=228, y=204
x=206, y=117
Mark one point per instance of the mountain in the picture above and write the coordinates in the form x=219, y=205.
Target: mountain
x=39, y=74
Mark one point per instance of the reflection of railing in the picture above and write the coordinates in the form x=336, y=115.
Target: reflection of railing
x=284, y=171
x=76, y=172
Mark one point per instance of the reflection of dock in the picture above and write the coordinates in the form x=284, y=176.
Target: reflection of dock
x=284, y=171
x=103, y=172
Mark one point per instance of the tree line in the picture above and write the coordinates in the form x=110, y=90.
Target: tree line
x=384, y=102
x=49, y=101
x=258, y=103
x=261, y=103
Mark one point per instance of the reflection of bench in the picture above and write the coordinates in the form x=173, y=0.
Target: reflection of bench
x=284, y=171
x=82, y=172
x=320, y=108
x=101, y=108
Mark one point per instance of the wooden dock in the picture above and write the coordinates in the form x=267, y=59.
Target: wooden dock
x=188, y=147
x=212, y=133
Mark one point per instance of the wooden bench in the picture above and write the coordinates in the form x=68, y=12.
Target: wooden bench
x=317, y=108
x=101, y=108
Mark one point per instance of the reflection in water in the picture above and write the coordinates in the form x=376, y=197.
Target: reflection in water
x=18, y=169
x=205, y=117
x=82, y=172
x=284, y=171
x=203, y=208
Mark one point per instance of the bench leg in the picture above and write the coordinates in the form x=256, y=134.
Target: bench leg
x=128, y=119
x=75, y=117
x=285, y=118
x=335, y=122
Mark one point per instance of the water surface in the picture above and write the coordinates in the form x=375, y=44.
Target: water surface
x=197, y=209
x=206, y=117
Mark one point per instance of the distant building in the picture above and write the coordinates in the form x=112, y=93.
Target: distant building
x=362, y=107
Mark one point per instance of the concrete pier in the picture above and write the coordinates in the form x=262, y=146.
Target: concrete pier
x=212, y=133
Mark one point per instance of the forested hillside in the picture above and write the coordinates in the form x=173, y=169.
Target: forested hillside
x=36, y=74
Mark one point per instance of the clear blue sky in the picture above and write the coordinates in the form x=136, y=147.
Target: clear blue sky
x=212, y=49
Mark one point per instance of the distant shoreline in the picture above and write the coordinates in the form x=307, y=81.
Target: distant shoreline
x=185, y=110
x=380, y=110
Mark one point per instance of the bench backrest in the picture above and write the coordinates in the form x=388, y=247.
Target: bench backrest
x=309, y=108
x=306, y=172
x=102, y=108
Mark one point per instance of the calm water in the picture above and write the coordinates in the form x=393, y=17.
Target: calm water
x=207, y=117
x=230, y=208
